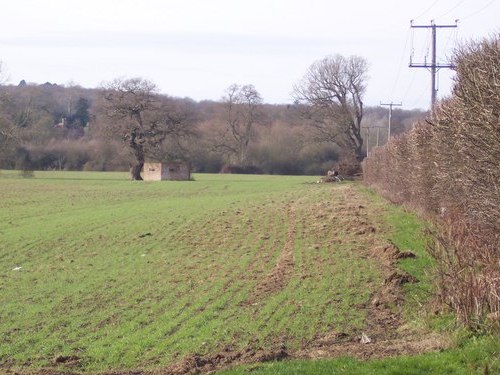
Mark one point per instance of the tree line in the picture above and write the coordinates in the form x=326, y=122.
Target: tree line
x=127, y=121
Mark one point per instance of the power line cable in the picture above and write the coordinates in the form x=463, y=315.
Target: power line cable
x=423, y=49
x=412, y=43
x=401, y=62
x=452, y=9
x=423, y=52
x=409, y=86
x=417, y=99
x=429, y=44
x=453, y=35
x=428, y=9
x=420, y=97
x=479, y=11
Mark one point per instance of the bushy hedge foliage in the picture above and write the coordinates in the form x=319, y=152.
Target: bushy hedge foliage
x=449, y=166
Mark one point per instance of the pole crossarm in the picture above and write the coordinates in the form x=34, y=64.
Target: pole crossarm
x=425, y=65
x=390, y=105
x=433, y=25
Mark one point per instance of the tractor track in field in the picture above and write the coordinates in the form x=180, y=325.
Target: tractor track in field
x=282, y=272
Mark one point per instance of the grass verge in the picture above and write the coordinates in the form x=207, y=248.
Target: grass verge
x=475, y=356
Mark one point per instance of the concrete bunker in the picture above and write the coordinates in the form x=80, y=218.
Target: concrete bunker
x=173, y=171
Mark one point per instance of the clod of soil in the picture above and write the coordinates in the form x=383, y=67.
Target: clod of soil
x=400, y=278
x=406, y=254
x=65, y=359
x=390, y=253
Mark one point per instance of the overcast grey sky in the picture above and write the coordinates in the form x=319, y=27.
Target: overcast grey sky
x=197, y=48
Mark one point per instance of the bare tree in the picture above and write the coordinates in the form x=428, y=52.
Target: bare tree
x=9, y=140
x=142, y=118
x=8, y=132
x=332, y=93
x=242, y=112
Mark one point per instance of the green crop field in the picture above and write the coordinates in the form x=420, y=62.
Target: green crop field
x=101, y=274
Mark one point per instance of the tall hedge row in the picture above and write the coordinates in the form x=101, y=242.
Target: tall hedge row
x=449, y=167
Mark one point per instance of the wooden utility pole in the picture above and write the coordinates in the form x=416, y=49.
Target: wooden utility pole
x=368, y=129
x=434, y=66
x=390, y=105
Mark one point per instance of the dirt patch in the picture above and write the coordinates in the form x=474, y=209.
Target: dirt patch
x=194, y=364
x=384, y=314
x=411, y=345
x=338, y=345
